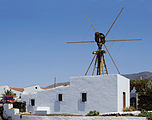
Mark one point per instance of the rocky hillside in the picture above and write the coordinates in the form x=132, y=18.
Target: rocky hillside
x=141, y=75
x=59, y=84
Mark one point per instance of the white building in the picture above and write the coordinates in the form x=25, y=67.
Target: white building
x=32, y=89
x=18, y=92
x=108, y=93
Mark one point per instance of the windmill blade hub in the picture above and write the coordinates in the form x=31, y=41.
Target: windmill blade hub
x=100, y=39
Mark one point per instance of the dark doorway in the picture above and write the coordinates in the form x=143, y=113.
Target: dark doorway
x=124, y=100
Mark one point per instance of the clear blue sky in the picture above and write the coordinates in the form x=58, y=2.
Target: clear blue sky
x=33, y=35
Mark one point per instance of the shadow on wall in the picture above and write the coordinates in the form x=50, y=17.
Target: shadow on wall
x=81, y=105
x=56, y=106
x=30, y=108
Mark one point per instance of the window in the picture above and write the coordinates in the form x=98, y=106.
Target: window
x=32, y=102
x=84, y=97
x=60, y=97
x=35, y=87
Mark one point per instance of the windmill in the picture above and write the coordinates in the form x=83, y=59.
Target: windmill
x=100, y=39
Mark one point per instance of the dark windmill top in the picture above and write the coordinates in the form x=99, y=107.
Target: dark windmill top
x=100, y=63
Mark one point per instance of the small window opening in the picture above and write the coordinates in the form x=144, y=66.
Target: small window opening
x=35, y=87
x=60, y=97
x=84, y=97
x=33, y=102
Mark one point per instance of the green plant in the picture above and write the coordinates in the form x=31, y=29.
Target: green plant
x=22, y=110
x=93, y=113
x=8, y=93
x=117, y=115
x=147, y=114
x=129, y=109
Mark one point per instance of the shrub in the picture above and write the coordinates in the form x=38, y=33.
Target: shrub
x=147, y=114
x=117, y=115
x=93, y=113
x=129, y=109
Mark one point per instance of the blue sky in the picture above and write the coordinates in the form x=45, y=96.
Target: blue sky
x=33, y=36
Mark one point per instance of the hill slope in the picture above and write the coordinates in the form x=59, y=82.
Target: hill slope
x=135, y=76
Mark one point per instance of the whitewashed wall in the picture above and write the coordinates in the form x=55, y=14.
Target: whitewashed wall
x=104, y=94
x=32, y=89
x=29, y=93
x=14, y=115
x=8, y=111
x=123, y=86
x=18, y=93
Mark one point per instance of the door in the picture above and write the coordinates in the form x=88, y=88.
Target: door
x=124, y=100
